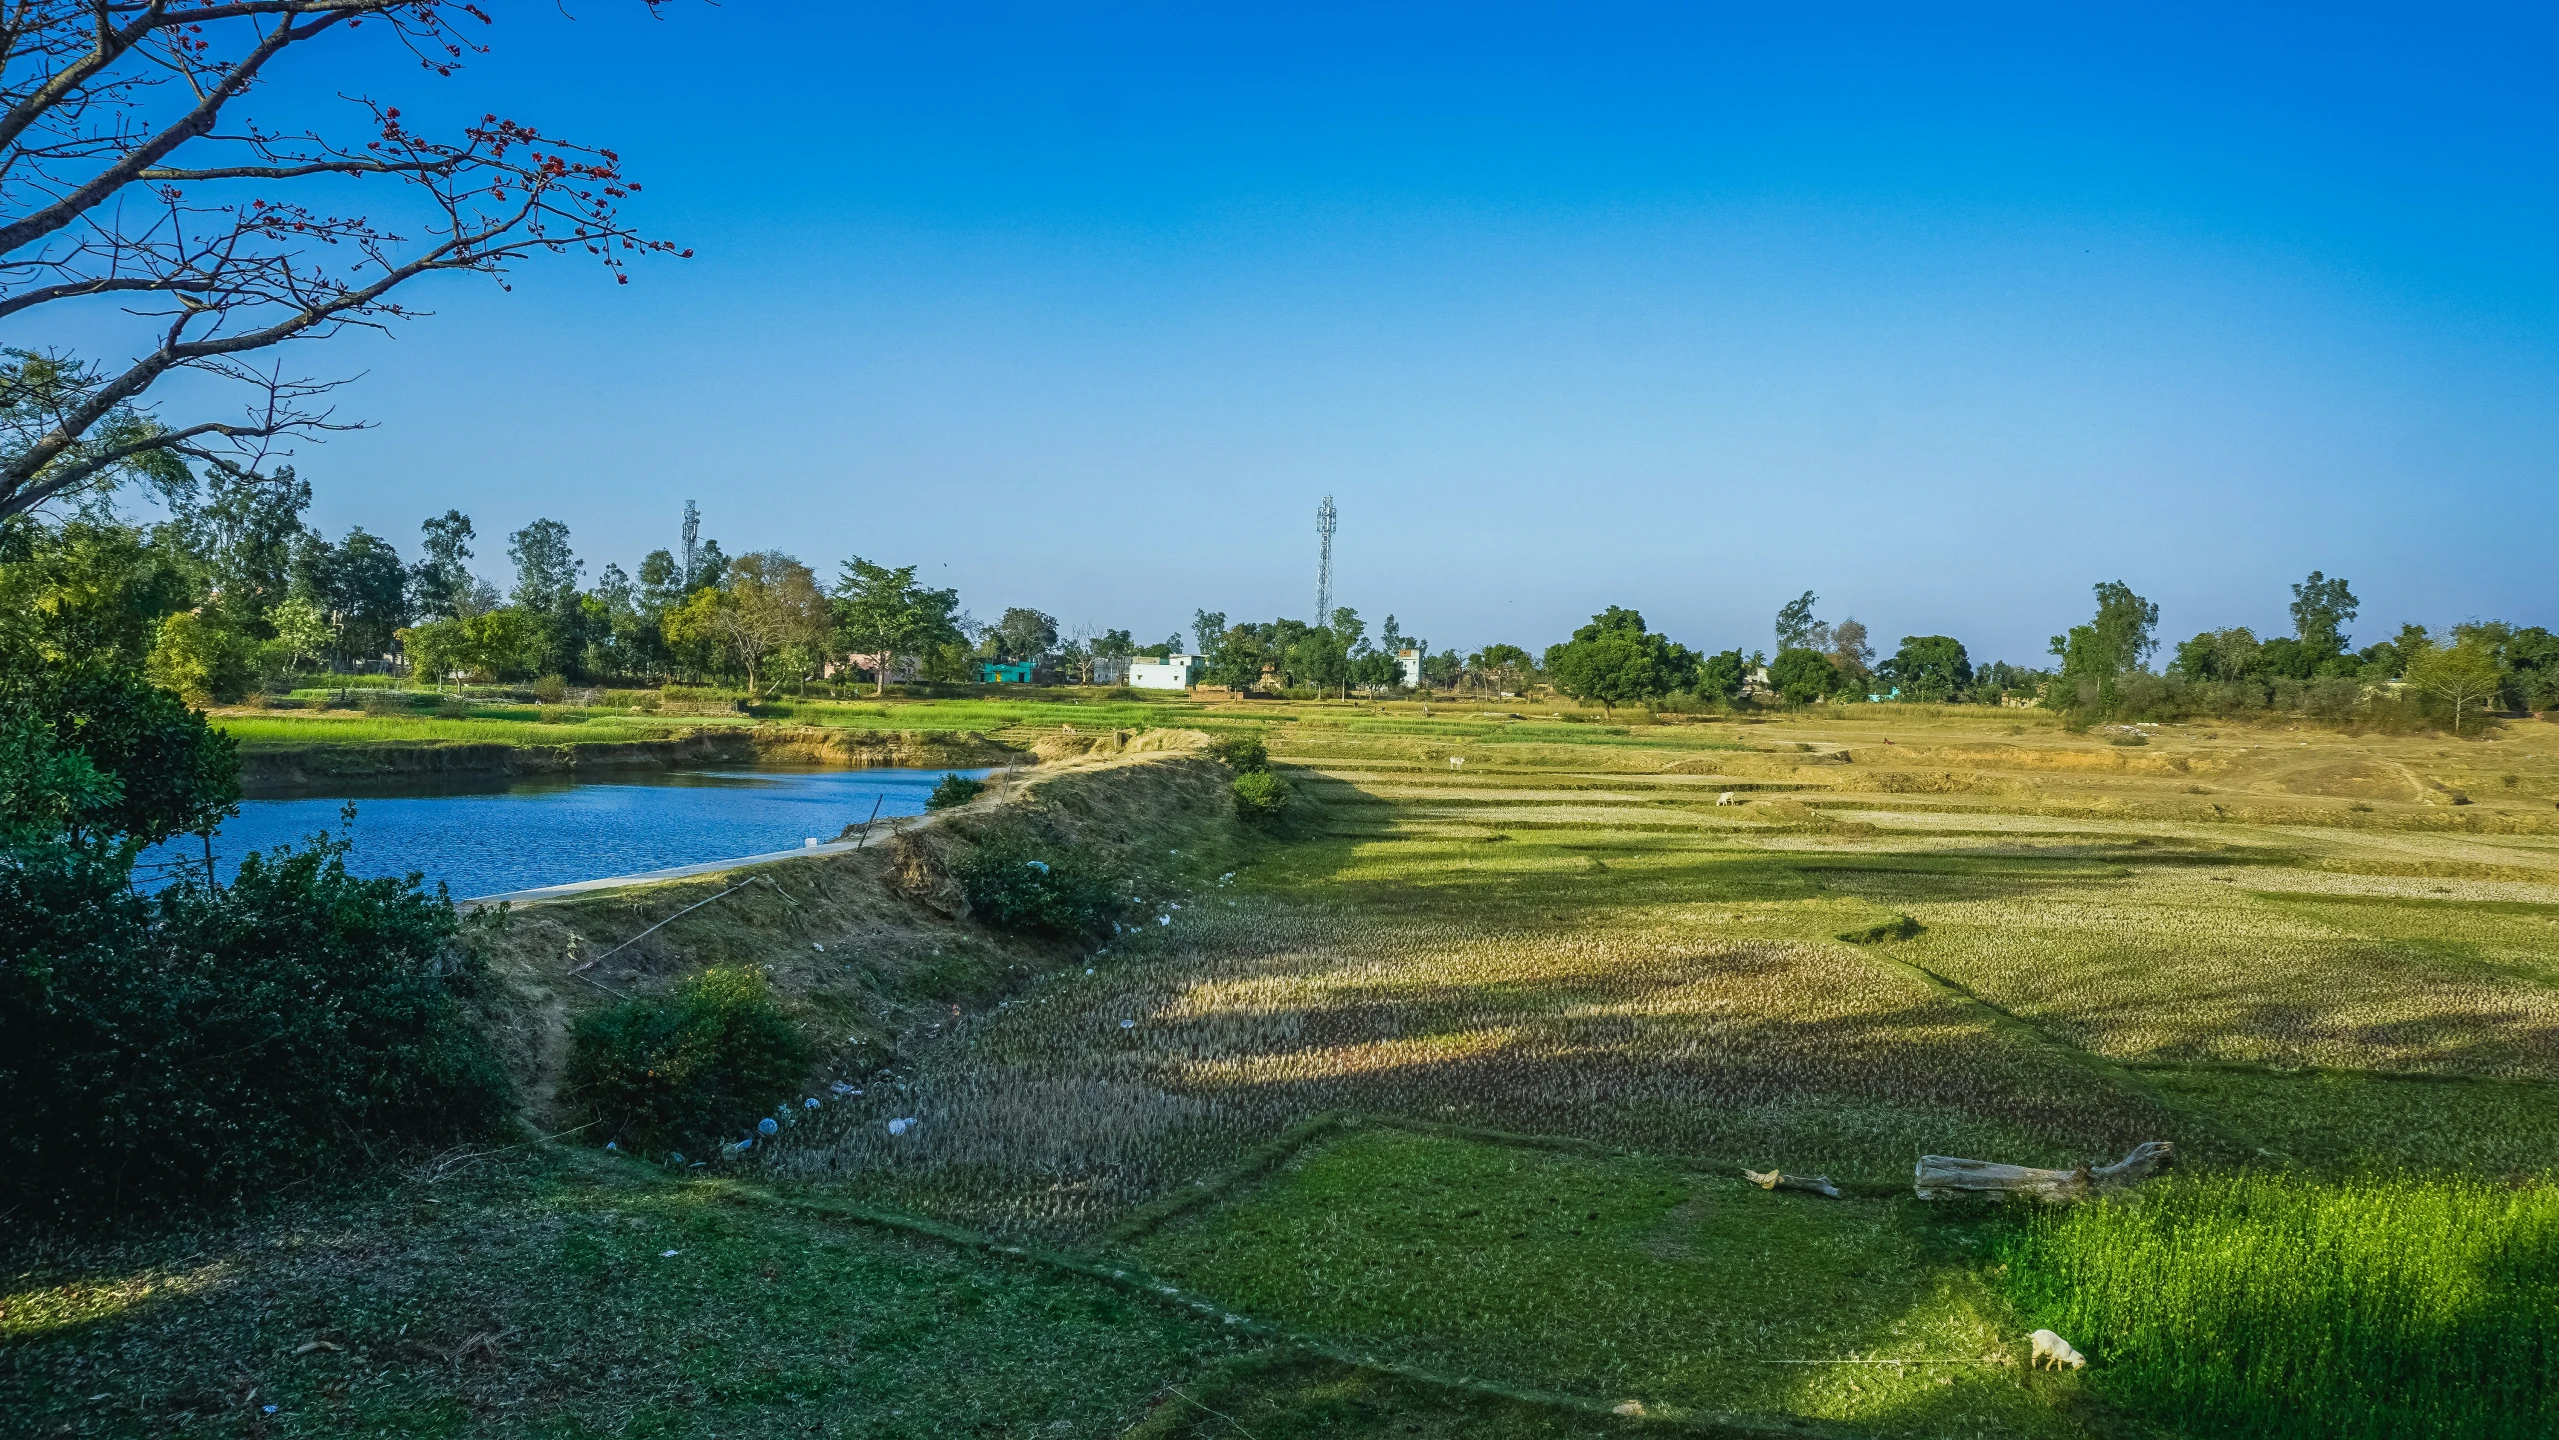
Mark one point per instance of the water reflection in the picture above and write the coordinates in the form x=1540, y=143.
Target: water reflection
x=481, y=838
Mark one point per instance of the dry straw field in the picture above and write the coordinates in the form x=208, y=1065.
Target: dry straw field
x=1427, y=1116
x=1625, y=960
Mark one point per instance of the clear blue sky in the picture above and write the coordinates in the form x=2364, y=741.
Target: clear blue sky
x=1944, y=312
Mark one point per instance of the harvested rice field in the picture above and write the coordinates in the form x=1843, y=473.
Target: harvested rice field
x=1428, y=1115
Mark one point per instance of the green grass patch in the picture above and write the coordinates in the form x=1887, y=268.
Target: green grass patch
x=296, y=732
x=1615, y=1278
x=541, y=1302
x=2345, y=1123
x=2278, y=1305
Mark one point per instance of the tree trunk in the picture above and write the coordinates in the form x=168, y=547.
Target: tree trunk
x=1939, y=1176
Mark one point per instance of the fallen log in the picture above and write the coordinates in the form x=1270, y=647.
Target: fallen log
x=1939, y=1176
x=1776, y=1180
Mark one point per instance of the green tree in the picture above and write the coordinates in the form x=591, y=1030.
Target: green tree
x=1208, y=628
x=1722, y=675
x=1932, y=668
x=883, y=612
x=502, y=644
x=440, y=583
x=769, y=608
x=199, y=659
x=175, y=773
x=360, y=583
x=85, y=591
x=1319, y=658
x=2226, y=655
x=1796, y=627
x=2116, y=641
x=1021, y=635
x=243, y=531
x=1615, y=660
x=1502, y=667
x=2321, y=610
x=1803, y=675
x=2464, y=674
x=546, y=569
x=301, y=630
x=437, y=649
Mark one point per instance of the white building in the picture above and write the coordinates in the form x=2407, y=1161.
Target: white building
x=1173, y=672
x=1110, y=670
x=1411, y=660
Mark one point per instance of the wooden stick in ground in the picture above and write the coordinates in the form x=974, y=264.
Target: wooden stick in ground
x=1939, y=1176
x=662, y=924
x=875, y=815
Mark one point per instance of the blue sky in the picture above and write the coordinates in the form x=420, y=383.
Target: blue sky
x=1944, y=313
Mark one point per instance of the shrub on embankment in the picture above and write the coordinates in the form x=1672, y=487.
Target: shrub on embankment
x=182, y=1051
x=859, y=945
x=2277, y=1305
x=682, y=1070
x=1020, y=882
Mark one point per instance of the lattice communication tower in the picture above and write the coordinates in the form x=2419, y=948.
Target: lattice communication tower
x=1324, y=562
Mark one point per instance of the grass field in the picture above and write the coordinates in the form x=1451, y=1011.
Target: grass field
x=506, y=724
x=1445, y=1103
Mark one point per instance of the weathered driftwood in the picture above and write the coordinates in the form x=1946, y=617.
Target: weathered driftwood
x=1775, y=1180
x=1943, y=1175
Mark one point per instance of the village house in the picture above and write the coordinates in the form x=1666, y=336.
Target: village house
x=1173, y=672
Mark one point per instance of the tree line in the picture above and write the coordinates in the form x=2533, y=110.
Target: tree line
x=239, y=592
x=2103, y=668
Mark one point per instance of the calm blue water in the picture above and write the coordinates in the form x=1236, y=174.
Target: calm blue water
x=517, y=836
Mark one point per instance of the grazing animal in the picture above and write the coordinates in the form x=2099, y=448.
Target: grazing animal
x=1727, y=798
x=2053, y=1348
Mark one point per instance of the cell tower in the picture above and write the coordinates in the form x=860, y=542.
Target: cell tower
x=1324, y=562
x=692, y=541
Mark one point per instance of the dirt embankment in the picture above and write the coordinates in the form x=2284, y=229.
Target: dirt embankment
x=875, y=947
x=286, y=771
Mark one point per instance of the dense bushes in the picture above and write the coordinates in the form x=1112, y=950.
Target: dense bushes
x=2141, y=695
x=954, y=790
x=1260, y=796
x=179, y=1051
x=1013, y=884
x=678, y=1072
x=1242, y=753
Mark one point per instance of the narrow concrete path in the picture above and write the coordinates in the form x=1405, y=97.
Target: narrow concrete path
x=880, y=832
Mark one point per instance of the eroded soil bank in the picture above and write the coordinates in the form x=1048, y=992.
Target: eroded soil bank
x=273, y=773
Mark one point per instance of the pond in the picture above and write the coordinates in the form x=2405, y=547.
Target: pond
x=517, y=835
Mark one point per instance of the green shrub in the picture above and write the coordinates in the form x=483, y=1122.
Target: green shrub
x=1244, y=754
x=178, y=1052
x=678, y=1072
x=1260, y=796
x=551, y=689
x=1013, y=884
x=1900, y=927
x=2276, y=1305
x=954, y=790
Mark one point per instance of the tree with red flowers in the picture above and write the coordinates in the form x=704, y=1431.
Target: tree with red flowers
x=128, y=169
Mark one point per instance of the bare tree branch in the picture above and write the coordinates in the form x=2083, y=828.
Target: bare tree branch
x=116, y=181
